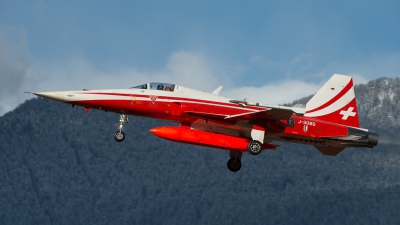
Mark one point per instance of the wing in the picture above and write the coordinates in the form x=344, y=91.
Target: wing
x=264, y=113
x=270, y=113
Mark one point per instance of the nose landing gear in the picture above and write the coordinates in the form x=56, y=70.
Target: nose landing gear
x=119, y=135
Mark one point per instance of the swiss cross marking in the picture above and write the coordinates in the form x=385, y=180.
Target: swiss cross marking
x=347, y=113
x=153, y=98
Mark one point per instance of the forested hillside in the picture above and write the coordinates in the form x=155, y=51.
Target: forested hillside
x=60, y=165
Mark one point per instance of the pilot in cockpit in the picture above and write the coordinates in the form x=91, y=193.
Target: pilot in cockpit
x=160, y=87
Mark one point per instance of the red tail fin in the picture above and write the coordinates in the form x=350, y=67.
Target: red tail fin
x=335, y=102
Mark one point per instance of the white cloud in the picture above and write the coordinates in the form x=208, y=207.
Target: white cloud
x=184, y=68
x=375, y=66
x=358, y=78
x=14, y=63
x=191, y=69
x=279, y=93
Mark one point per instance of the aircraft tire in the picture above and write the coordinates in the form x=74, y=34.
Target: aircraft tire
x=119, y=136
x=234, y=165
x=254, y=147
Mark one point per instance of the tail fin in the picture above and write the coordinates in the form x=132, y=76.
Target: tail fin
x=335, y=102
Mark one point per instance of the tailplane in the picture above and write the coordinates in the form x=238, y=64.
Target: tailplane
x=335, y=102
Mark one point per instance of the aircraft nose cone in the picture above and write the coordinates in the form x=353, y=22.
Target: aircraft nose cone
x=58, y=96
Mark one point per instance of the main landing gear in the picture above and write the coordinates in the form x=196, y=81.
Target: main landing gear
x=234, y=163
x=257, y=134
x=119, y=135
x=254, y=147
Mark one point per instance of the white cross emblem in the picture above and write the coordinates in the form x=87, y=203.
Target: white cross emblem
x=347, y=113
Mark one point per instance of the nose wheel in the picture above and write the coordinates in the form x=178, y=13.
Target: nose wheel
x=119, y=135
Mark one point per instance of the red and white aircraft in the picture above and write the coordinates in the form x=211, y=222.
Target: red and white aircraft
x=329, y=121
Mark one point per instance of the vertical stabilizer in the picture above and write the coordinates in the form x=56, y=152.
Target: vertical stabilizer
x=335, y=102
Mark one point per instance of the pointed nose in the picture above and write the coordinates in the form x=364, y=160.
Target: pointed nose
x=58, y=96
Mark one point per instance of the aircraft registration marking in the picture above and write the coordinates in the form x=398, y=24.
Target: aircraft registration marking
x=306, y=122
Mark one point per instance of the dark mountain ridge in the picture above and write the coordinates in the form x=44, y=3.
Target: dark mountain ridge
x=60, y=165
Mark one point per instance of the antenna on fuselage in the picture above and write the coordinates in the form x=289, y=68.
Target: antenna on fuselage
x=216, y=92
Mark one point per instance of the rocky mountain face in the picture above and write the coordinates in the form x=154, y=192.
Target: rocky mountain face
x=59, y=165
x=379, y=105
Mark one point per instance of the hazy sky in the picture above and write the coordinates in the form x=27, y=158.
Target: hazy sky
x=268, y=51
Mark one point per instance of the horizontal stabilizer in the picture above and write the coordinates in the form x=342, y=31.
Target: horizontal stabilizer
x=270, y=146
x=302, y=106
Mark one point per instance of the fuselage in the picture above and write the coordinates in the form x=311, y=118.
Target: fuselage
x=207, y=112
x=329, y=121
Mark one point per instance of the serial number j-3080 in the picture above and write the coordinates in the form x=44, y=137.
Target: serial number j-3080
x=306, y=122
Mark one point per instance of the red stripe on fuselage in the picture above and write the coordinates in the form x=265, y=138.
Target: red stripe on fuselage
x=171, y=98
x=159, y=107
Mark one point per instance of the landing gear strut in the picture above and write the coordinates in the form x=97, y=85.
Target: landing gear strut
x=234, y=163
x=119, y=135
x=257, y=134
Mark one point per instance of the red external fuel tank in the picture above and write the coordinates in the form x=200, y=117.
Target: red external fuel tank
x=204, y=138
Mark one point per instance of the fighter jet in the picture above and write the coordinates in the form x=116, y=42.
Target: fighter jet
x=329, y=121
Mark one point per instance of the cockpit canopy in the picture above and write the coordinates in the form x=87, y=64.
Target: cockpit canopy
x=156, y=86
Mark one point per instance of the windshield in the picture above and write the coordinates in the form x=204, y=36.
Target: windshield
x=143, y=86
